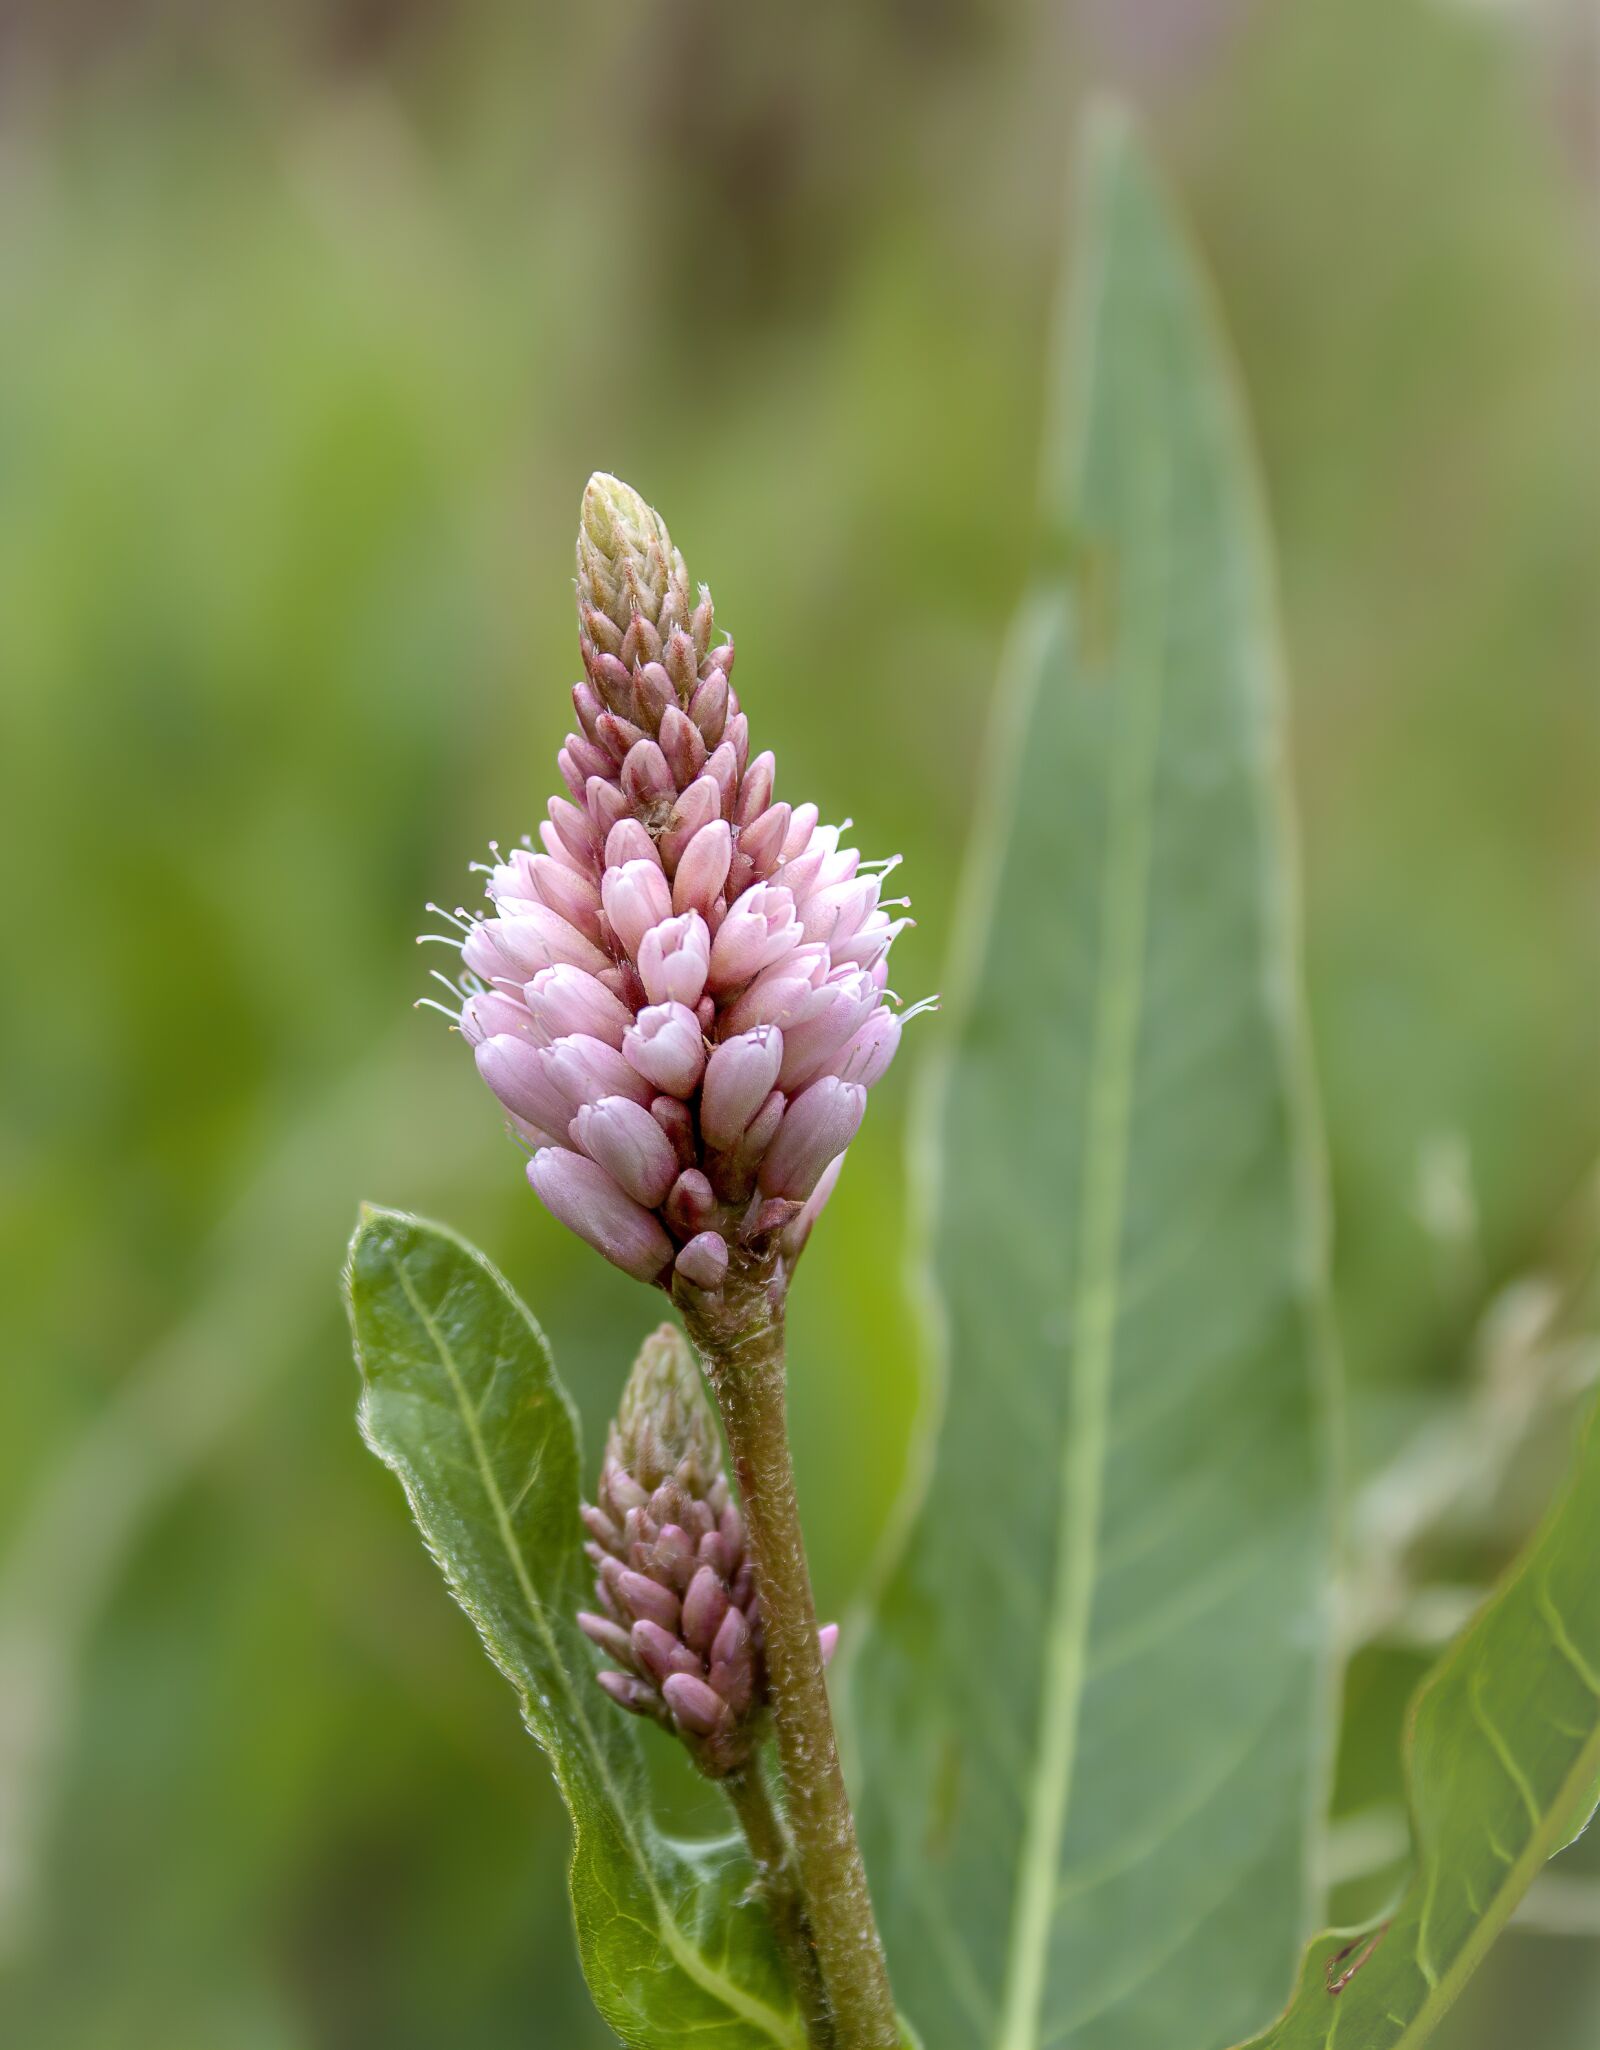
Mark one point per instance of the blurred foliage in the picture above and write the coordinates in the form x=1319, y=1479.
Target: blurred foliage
x=311, y=326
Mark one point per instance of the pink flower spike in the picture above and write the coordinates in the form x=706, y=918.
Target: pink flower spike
x=565, y=1000
x=703, y=868
x=585, y=1198
x=828, y=1641
x=739, y=1075
x=818, y=1125
x=628, y=1143
x=674, y=958
x=683, y=979
x=667, y=1047
x=704, y=1261
x=636, y=897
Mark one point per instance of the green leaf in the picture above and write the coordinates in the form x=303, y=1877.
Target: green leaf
x=1096, y=1718
x=1504, y=1762
x=460, y=1398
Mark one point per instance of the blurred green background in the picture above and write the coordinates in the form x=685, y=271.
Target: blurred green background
x=313, y=320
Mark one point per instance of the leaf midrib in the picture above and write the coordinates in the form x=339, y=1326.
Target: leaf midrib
x=1124, y=914
x=686, y=1954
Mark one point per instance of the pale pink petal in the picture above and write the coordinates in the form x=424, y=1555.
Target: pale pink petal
x=665, y=1044
x=818, y=1125
x=628, y=1143
x=588, y=1201
x=739, y=1076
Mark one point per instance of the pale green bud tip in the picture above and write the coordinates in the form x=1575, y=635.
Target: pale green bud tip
x=664, y=1419
x=627, y=565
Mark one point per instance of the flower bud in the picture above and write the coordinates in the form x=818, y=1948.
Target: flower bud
x=758, y=930
x=589, y=1202
x=666, y=1046
x=627, y=564
x=738, y=1076
x=564, y=1000
x=534, y=937
x=703, y=868
x=636, y=897
x=628, y=841
x=628, y=1143
x=818, y=1125
x=519, y=1074
x=704, y=1260
x=674, y=958
x=586, y=1069
x=488, y=1011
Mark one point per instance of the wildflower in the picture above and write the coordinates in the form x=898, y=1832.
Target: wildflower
x=681, y=997
x=677, y=1608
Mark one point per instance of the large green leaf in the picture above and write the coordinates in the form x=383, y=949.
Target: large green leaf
x=460, y=1398
x=1095, y=1721
x=1504, y=1757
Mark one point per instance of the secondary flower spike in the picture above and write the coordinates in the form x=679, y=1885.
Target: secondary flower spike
x=680, y=996
x=675, y=1587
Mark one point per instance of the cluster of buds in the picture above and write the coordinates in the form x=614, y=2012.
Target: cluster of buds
x=681, y=998
x=676, y=1587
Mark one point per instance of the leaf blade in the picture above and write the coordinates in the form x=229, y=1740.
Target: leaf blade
x=460, y=1400
x=1128, y=965
x=1486, y=1817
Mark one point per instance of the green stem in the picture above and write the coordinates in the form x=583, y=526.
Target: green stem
x=779, y=1888
x=742, y=1346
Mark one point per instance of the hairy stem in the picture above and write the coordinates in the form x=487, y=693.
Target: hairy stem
x=743, y=1353
x=779, y=1887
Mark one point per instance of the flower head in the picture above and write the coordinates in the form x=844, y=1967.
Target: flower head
x=675, y=1586
x=681, y=996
